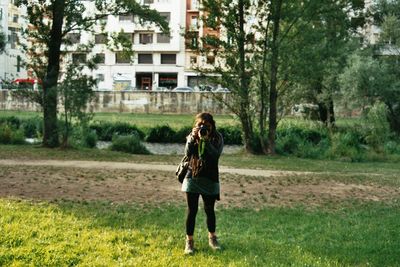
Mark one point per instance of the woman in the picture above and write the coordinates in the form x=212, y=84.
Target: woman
x=203, y=146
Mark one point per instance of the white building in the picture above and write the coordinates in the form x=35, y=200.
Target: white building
x=158, y=58
x=11, y=60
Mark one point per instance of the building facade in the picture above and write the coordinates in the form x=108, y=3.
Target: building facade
x=12, y=23
x=158, y=59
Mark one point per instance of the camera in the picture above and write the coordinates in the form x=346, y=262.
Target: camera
x=203, y=130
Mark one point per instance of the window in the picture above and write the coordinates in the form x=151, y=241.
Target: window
x=146, y=38
x=122, y=58
x=101, y=58
x=100, y=38
x=73, y=38
x=79, y=58
x=13, y=37
x=193, y=23
x=145, y=58
x=126, y=17
x=166, y=16
x=194, y=5
x=193, y=60
x=194, y=42
x=163, y=38
x=99, y=77
x=148, y=2
x=210, y=59
x=168, y=58
x=15, y=18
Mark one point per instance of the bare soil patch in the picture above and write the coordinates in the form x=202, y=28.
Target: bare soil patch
x=149, y=186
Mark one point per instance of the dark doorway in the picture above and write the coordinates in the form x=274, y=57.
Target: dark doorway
x=144, y=80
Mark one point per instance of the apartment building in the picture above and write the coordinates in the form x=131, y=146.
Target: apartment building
x=194, y=31
x=158, y=60
x=12, y=22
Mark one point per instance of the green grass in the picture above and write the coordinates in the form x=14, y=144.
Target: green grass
x=103, y=234
x=144, y=121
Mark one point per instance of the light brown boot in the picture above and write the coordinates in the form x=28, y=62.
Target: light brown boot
x=189, y=247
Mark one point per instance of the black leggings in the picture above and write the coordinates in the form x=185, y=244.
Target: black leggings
x=192, y=200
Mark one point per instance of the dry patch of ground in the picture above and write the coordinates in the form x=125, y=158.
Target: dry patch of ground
x=52, y=183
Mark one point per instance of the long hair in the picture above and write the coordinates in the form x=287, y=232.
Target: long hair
x=205, y=116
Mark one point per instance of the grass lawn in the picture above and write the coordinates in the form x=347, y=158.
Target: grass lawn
x=103, y=234
x=338, y=232
x=141, y=120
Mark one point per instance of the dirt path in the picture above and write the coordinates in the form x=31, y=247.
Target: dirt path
x=124, y=182
x=139, y=166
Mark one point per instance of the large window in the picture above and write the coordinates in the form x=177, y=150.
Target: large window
x=146, y=38
x=101, y=58
x=145, y=58
x=168, y=80
x=126, y=17
x=122, y=58
x=166, y=16
x=74, y=38
x=168, y=58
x=163, y=38
x=79, y=58
x=194, y=20
x=100, y=38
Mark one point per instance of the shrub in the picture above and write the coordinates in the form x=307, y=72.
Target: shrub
x=12, y=121
x=376, y=127
x=106, y=130
x=129, y=144
x=307, y=141
x=8, y=135
x=392, y=147
x=347, y=146
x=5, y=134
x=161, y=134
x=232, y=135
x=32, y=127
x=180, y=135
x=89, y=139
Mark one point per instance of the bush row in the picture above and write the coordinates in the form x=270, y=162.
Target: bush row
x=302, y=139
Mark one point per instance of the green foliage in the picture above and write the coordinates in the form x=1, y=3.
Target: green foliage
x=129, y=144
x=347, y=146
x=11, y=135
x=232, y=135
x=12, y=121
x=89, y=139
x=308, y=141
x=182, y=133
x=33, y=127
x=376, y=126
x=106, y=130
x=161, y=134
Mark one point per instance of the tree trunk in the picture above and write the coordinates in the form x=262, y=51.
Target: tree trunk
x=245, y=117
x=263, y=93
x=273, y=94
x=50, y=135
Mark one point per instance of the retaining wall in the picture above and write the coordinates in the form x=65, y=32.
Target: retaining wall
x=135, y=102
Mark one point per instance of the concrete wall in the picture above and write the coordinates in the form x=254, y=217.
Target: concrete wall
x=135, y=102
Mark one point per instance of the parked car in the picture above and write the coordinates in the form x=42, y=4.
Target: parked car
x=221, y=90
x=183, y=89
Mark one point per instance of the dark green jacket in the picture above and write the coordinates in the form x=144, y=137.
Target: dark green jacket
x=212, y=152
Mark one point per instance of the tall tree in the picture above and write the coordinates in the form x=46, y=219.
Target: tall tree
x=233, y=57
x=49, y=25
